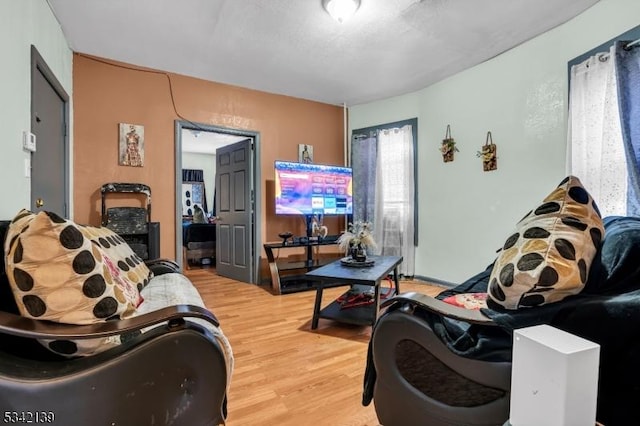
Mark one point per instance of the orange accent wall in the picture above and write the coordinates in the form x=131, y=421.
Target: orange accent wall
x=105, y=95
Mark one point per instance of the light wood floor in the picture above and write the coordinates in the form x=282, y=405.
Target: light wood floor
x=286, y=373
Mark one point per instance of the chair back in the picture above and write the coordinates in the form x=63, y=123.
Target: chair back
x=7, y=301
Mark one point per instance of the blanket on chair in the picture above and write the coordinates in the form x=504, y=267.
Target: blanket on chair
x=176, y=289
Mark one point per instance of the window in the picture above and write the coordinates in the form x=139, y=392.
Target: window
x=604, y=135
x=384, y=169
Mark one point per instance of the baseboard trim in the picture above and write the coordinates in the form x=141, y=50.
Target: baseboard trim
x=437, y=281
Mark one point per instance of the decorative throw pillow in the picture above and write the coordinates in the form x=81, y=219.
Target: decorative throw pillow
x=68, y=273
x=548, y=256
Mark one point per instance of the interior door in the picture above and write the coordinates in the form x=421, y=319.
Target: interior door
x=234, y=208
x=49, y=124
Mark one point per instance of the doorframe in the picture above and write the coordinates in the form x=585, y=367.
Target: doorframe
x=256, y=228
x=38, y=64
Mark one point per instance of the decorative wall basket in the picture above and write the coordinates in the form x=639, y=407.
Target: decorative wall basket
x=489, y=154
x=448, y=146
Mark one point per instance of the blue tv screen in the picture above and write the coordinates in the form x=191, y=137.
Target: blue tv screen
x=308, y=189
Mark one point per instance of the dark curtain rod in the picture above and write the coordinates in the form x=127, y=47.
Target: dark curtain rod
x=364, y=136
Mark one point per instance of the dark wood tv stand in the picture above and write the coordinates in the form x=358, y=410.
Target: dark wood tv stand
x=290, y=283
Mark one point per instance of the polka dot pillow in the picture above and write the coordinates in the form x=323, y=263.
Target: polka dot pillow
x=548, y=256
x=68, y=273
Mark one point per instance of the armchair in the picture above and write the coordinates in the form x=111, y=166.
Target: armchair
x=172, y=367
x=434, y=363
x=437, y=364
x=447, y=361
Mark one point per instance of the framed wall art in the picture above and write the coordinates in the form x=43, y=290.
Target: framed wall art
x=131, y=145
x=305, y=153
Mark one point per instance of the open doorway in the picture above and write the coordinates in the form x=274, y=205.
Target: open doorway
x=197, y=178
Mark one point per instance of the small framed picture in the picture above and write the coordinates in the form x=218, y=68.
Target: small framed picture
x=305, y=153
x=131, y=145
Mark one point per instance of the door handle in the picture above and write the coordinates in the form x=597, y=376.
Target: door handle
x=39, y=202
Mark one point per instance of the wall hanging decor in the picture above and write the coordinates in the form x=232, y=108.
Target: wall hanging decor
x=489, y=154
x=305, y=153
x=448, y=146
x=192, y=195
x=131, y=145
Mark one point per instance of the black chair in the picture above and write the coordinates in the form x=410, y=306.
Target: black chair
x=432, y=363
x=415, y=378
x=175, y=373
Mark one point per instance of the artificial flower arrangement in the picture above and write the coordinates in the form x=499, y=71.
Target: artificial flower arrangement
x=447, y=149
x=448, y=146
x=357, y=239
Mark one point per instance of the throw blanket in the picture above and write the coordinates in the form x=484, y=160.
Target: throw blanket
x=176, y=289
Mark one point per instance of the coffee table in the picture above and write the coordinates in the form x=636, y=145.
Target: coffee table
x=370, y=276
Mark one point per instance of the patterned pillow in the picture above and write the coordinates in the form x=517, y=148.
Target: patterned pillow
x=548, y=256
x=68, y=273
x=472, y=301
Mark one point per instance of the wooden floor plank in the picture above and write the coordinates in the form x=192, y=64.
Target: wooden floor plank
x=285, y=373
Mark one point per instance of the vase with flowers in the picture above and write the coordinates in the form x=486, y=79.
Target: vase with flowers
x=356, y=240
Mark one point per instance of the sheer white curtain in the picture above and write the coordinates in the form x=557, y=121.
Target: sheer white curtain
x=394, y=209
x=597, y=155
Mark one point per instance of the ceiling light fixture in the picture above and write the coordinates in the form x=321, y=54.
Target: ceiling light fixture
x=341, y=10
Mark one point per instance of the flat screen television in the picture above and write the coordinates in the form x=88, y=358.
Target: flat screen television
x=311, y=189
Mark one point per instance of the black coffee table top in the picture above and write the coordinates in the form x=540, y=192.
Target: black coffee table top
x=368, y=275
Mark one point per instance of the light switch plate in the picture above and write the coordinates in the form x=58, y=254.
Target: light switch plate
x=28, y=141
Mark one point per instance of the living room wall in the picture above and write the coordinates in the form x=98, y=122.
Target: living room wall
x=22, y=24
x=521, y=97
x=106, y=94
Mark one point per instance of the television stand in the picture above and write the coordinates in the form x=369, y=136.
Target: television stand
x=290, y=283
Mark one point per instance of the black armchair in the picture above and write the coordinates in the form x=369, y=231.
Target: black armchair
x=415, y=378
x=170, y=368
x=432, y=363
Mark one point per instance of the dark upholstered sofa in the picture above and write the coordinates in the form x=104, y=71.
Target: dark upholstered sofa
x=171, y=367
x=431, y=363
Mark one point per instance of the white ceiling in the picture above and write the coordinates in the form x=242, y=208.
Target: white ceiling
x=293, y=47
x=203, y=142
